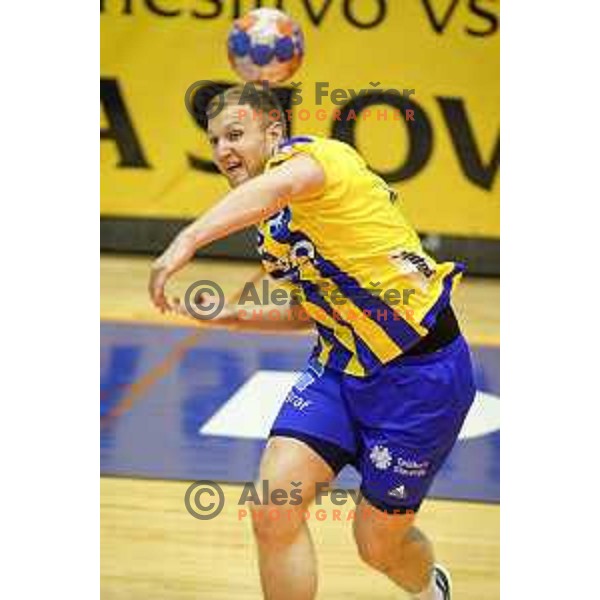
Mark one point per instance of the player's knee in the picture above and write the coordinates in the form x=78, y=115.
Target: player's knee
x=372, y=549
x=377, y=546
x=274, y=525
x=373, y=552
x=274, y=521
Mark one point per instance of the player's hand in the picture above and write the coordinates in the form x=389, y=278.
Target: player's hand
x=228, y=315
x=159, y=276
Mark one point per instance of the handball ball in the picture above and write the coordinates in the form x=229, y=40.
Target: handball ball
x=265, y=45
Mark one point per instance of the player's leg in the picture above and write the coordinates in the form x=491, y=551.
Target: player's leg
x=384, y=529
x=409, y=417
x=312, y=439
x=393, y=545
x=286, y=555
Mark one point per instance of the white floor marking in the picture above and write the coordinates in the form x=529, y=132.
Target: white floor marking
x=251, y=410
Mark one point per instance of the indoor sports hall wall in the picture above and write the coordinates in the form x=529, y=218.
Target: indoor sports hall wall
x=155, y=161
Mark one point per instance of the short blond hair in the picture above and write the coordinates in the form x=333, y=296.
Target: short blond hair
x=257, y=98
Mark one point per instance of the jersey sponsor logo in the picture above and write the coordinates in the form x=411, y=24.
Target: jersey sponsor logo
x=411, y=468
x=381, y=457
x=296, y=401
x=304, y=381
x=302, y=252
x=413, y=266
x=278, y=224
x=286, y=265
x=411, y=262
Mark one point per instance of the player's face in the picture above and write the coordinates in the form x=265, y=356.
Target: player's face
x=240, y=143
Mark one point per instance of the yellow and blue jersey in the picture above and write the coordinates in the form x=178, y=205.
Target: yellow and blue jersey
x=349, y=256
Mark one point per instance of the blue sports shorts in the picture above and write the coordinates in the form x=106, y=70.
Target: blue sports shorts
x=396, y=427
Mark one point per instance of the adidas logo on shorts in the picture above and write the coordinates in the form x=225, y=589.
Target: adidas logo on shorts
x=398, y=492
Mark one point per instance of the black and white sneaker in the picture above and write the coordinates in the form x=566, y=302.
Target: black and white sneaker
x=443, y=581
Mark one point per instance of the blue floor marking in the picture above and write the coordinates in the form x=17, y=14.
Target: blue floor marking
x=158, y=436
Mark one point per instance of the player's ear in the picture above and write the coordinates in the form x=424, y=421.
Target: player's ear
x=275, y=133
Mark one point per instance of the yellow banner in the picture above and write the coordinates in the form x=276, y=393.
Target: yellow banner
x=444, y=162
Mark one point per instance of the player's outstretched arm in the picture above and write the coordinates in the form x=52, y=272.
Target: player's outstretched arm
x=269, y=318
x=248, y=204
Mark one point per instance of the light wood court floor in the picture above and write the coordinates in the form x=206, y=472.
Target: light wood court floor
x=151, y=548
x=123, y=295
